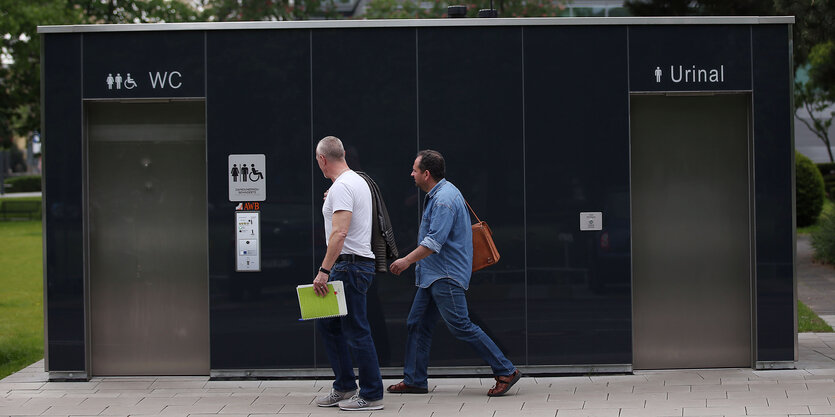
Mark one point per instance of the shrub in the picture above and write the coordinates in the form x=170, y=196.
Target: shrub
x=828, y=171
x=823, y=239
x=25, y=184
x=809, y=192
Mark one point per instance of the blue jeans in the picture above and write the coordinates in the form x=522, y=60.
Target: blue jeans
x=340, y=333
x=446, y=298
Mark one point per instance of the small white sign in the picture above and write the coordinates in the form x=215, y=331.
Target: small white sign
x=591, y=221
x=248, y=245
x=247, y=177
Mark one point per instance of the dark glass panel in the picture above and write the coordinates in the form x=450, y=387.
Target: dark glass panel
x=62, y=202
x=688, y=58
x=144, y=64
x=258, y=101
x=364, y=93
x=773, y=162
x=577, y=160
x=470, y=89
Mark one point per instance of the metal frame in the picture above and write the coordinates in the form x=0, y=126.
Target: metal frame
x=397, y=372
x=793, y=197
x=87, y=373
x=68, y=376
x=752, y=253
x=43, y=216
x=85, y=204
x=331, y=24
x=771, y=365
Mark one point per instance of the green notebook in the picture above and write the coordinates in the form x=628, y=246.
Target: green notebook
x=314, y=307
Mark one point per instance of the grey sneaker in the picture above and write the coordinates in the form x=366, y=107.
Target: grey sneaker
x=357, y=403
x=334, y=398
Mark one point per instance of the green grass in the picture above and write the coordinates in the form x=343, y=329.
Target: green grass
x=828, y=207
x=21, y=295
x=808, y=321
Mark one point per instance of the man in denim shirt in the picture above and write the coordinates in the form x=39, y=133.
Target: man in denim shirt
x=444, y=259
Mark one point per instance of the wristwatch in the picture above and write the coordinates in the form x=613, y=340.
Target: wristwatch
x=325, y=271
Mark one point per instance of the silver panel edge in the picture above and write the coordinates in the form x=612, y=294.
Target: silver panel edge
x=793, y=192
x=68, y=376
x=768, y=365
x=141, y=99
x=330, y=24
x=397, y=372
x=44, y=222
x=682, y=93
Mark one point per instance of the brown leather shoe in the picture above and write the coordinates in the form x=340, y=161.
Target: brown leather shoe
x=503, y=384
x=402, y=388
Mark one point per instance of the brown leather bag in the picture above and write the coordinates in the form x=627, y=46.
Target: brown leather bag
x=484, y=250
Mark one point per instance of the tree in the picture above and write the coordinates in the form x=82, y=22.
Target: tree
x=408, y=9
x=817, y=105
x=240, y=10
x=699, y=8
x=134, y=11
x=20, y=74
x=814, y=60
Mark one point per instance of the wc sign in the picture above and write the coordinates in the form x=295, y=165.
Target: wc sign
x=247, y=177
x=156, y=80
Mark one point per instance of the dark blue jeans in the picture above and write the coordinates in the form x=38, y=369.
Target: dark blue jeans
x=352, y=331
x=445, y=298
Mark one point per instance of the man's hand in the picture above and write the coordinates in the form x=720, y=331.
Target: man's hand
x=320, y=284
x=405, y=262
x=399, y=266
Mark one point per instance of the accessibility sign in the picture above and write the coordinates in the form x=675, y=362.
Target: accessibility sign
x=247, y=177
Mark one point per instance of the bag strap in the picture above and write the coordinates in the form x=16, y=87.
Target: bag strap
x=471, y=211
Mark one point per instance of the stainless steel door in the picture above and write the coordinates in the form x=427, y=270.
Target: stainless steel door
x=148, y=239
x=691, y=231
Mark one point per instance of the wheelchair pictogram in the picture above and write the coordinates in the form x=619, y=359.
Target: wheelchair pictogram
x=130, y=84
x=254, y=174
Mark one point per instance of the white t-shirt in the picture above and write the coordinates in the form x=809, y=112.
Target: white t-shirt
x=350, y=192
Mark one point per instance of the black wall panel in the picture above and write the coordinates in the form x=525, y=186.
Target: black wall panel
x=160, y=64
x=63, y=202
x=689, y=58
x=773, y=162
x=577, y=160
x=470, y=95
x=258, y=101
x=364, y=93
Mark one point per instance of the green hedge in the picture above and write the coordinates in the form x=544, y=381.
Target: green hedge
x=809, y=190
x=828, y=171
x=823, y=239
x=25, y=184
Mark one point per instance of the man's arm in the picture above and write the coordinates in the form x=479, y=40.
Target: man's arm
x=341, y=223
x=405, y=262
x=440, y=224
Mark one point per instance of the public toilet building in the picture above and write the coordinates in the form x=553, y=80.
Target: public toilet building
x=638, y=175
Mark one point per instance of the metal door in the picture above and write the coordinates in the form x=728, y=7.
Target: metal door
x=691, y=233
x=147, y=242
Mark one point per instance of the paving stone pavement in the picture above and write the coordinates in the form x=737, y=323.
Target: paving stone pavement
x=808, y=390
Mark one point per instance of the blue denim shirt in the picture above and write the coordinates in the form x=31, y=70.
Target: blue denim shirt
x=446, y=230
